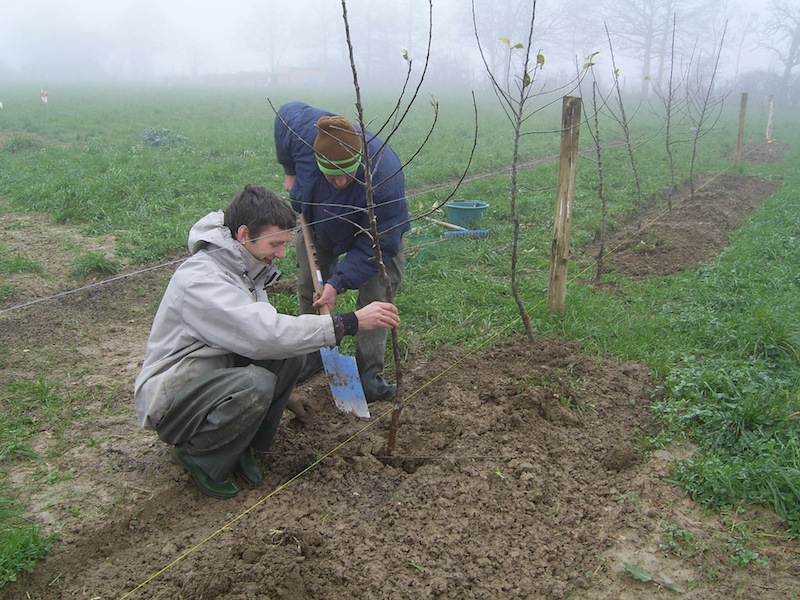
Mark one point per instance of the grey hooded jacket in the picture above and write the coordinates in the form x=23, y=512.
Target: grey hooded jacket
x=216, y=307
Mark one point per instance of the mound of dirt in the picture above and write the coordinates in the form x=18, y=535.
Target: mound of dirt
x=517, y=474
x=685, y=230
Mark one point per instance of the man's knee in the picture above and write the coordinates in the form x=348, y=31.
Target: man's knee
x=260, y=381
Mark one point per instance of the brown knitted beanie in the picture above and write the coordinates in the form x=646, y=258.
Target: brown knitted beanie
x=337, y=147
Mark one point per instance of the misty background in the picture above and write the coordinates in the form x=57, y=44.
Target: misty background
x=269, y=43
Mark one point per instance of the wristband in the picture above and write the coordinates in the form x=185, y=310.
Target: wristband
x=344, y=324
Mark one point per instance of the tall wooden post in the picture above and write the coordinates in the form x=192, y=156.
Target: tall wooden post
x=770, y=118
x=565, y=196
x=737, y=156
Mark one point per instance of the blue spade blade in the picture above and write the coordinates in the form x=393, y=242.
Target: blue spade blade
x=345, y=382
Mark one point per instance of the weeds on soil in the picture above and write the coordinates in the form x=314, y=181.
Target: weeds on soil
x=21, y=542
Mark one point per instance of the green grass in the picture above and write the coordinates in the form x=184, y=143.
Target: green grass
x=22, y=543
x=14, y=262
x=94, y=263
x=25, y=405
x=722, y=341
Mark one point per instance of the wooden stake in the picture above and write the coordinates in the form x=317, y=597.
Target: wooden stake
x=771, y=117
x=737, y=156
x=565, y=196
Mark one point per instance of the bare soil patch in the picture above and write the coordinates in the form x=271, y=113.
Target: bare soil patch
x=684, y=231
x=762, y=153
x=518, y=474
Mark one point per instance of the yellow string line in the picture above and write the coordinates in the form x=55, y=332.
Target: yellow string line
x=377, y=419
x=263, y=499
x=369, y=425
x=290, y=481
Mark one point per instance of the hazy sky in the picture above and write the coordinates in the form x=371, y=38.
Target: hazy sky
x=86, y=39
x=177, y=35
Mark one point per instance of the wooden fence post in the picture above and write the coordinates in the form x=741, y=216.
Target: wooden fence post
x=565, y=196
x=770, y=118
x=737, y=155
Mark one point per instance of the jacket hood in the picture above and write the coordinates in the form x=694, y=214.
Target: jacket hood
x=210, y=230
x=211, y=235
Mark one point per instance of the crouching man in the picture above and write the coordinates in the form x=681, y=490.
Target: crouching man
x=221, y=361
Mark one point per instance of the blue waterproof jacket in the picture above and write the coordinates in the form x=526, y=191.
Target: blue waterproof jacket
x=334, y=213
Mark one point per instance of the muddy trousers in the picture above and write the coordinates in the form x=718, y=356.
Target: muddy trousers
x=370, y=345
x=216, y=417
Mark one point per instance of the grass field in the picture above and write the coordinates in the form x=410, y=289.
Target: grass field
x=723, y=340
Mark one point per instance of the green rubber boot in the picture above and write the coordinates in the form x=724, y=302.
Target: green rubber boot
x=247, y=468
x=216, y=489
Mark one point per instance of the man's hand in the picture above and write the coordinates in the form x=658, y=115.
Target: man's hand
x=301, y=407
x=328, y=298
x=288, y=182
x=378, y=315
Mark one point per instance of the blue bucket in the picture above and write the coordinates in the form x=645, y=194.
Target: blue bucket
x=466, y=213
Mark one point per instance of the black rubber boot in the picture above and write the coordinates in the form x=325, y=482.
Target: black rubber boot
x=313, y=365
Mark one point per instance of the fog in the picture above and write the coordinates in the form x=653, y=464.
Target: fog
x=302, y=41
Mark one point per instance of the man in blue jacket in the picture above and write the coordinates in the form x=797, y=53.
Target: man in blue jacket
x=323, y=163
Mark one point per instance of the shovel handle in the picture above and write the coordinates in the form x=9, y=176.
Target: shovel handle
x=446, y=224
x=311, y=254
